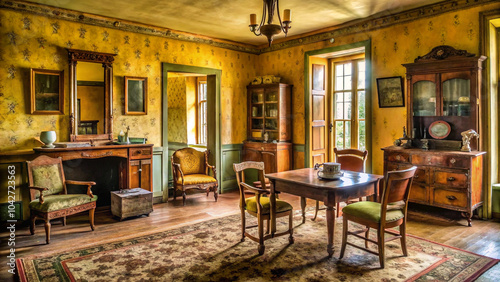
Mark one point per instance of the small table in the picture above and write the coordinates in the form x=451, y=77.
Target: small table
x=306, y=184
x=131, y=202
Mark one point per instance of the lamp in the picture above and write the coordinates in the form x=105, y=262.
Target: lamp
x=270, y=29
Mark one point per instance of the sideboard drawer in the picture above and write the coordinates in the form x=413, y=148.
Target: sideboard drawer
x=398, y=157
x=140, y=153
x=449, y=198
x=455, y=179
x=419, y=193
x=421, y=175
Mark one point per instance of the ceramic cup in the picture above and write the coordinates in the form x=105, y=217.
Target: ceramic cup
x=330, y=170
x=48, y=137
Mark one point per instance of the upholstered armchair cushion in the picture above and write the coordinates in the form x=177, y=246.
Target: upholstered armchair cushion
x=371, y=211
x=48, y=176
x=59, y=202
x=281, y=206
x=191, y=161
x=196, y=179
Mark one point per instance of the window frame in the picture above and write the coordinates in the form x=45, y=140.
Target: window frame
x=199, y=105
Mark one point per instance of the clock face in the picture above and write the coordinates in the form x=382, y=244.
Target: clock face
x=439, y=129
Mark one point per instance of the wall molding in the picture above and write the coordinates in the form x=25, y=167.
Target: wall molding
x=231, y=153
x=380, y=20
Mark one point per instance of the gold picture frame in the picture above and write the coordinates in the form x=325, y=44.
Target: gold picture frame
x=136, y=95
x=47, y=92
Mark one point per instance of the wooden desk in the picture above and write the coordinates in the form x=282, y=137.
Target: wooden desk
x=305, y=183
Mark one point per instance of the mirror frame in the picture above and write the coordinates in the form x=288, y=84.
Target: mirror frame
x=106, y=60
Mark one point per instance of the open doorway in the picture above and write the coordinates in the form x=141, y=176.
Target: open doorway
x=191, y=114
x=338, y=102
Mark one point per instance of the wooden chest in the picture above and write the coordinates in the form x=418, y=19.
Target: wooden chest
x=131, y=202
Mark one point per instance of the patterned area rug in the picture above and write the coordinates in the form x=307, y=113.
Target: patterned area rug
x=212, y=251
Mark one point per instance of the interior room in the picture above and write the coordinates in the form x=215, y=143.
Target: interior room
x=249, y=141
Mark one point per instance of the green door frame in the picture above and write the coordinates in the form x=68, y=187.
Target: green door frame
x=368, y=95
x=214, y=134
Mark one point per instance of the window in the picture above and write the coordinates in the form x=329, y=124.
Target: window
x=349, y=105
x=201, y=128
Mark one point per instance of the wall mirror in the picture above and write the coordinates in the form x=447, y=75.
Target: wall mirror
x=91, y=95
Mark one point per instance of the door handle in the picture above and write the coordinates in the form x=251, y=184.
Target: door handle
x=330, y=127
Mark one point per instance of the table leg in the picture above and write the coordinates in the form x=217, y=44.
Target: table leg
x=272, y=207
x=330, y=225
x=303, y=207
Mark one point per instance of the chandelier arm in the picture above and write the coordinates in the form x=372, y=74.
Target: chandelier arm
x=285, y=31
x=262, y=21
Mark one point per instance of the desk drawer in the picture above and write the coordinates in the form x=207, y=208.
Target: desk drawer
x=94, y=154
x=140, y=153
x=450, y=178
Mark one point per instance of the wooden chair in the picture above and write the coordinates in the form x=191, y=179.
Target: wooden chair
x=190, y=171
x=391, y=212
x=349, y=159
x=48, y=195
x=259, y=206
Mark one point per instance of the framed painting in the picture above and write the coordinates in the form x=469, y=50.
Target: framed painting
x=390, y=92
x=136, y=95
x=47, y=92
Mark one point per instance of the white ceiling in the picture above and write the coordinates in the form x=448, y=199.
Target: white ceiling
x=229, y=19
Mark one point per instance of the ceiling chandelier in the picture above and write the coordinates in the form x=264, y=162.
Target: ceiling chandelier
x=270, y=29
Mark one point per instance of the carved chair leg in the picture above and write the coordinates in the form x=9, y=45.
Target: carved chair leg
x=316, y=212
x=243, y=227
x=290, y=227
x=175, y=193
x=183, y=197
x=47, y=231
x=32, y=223
x=91, y=218
x=381, y=246
x=345, y=225
x=261, y=235
x=64, y=221
x=216, y=193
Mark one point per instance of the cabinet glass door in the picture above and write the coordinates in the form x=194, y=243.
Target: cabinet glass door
x=424, y=98
x=456, y=97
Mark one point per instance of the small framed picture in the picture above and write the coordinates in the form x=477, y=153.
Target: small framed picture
x=47, y=92
x=136, y=95
x=390, y=92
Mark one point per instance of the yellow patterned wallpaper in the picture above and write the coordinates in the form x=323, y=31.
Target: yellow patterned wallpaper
x=177, y=121
x=391, y=47
x=33, y=41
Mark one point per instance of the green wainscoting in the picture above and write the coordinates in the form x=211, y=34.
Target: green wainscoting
x=231, y=153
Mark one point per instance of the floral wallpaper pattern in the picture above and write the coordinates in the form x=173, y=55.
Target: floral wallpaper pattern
x=33, y=41
x=177, y=114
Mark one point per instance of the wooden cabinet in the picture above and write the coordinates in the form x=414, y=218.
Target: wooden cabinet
x=276, y=156
x=140, y=174
x=445, y=179
x=444, y=85
x=270, y=111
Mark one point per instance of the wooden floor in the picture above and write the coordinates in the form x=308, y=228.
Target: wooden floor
x=482, y=238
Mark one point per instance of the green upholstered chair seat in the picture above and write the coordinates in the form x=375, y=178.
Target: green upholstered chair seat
x=59, y=202
x=371, y=211
x=196, y=179
x=281, y=206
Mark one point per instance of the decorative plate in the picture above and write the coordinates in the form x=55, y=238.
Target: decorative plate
x=439, y=129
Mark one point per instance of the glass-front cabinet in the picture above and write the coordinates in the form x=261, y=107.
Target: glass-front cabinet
x=269, y=112
x=444, y=85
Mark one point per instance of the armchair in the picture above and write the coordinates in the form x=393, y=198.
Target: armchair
x=190, y=170
x=48, y=195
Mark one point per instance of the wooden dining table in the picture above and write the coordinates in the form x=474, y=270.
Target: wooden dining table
x=306, y=184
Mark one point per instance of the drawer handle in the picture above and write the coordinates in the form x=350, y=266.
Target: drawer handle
x=138, y=152
x=262, y=148
x=452, y=160
x=415, y=176
x=451, y=198
x=398, y=157
x=451, y=178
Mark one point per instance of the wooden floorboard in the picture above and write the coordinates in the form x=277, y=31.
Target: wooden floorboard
x=482, y=238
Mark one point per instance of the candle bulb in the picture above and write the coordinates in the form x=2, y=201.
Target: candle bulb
x=253, y=19
x=287, y=15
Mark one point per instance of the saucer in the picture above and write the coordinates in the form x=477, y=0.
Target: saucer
x=334, y=177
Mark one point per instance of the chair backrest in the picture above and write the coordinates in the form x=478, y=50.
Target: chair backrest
x=397, y=189
x=191, y=160
x=351, y=159
x=240, y=169
x=46, y=172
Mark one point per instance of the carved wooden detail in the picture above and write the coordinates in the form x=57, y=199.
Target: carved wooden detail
x=89, y=56
x=443, y=52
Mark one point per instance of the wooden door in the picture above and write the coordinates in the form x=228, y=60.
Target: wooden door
x=319, y=130
x=140, y=174
x=269, y=159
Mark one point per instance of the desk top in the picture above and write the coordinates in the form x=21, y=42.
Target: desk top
x=309, y=177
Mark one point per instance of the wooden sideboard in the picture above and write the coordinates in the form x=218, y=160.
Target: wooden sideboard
x=277, y=157
x=446, y=179
x=135, y=169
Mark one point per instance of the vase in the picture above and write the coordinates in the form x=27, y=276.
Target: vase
x=48, y=137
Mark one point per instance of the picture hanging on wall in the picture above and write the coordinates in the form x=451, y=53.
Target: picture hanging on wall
x=136, y=95
x=390, y=92
x=47, y=92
